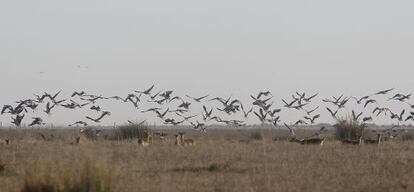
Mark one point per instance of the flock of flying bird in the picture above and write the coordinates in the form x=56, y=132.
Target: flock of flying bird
x=175, y=110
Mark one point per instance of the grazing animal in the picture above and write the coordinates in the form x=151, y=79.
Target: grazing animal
x=353, y=142
x=186, y=142
x=5, y=141
x=314, y=141
x=146, y=140
x=90, y=133
x=318, y=141
x=77, y=140
x=373, y=141
x=177, y=140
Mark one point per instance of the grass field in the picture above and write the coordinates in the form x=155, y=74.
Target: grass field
x=221, y=160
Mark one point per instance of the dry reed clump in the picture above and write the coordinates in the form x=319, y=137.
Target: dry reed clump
x=2, y=169
x=128, y=132
x=88, y=177
x=349, y=129
x=407, y=136
x=256, y=136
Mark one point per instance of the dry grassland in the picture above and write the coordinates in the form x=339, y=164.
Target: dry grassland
x=220, y=161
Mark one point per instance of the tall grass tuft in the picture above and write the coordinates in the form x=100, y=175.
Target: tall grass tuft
x=88, y=178
x=2, y=169
x=134, y=131
x=407, y=136
x=256, y=136
x=349, y=129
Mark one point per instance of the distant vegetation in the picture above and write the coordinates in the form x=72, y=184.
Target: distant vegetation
x=132, y=131
x=88, y=177
x=349, y=129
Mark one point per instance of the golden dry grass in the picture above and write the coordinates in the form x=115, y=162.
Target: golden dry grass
x=214, y=164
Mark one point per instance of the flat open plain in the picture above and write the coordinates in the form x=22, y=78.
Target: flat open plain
x=221, y=160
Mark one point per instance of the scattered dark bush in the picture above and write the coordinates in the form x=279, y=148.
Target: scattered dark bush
x=128, y=132
x=407, y=136
x=256, y=136
x=349, y=129
x=2, y=169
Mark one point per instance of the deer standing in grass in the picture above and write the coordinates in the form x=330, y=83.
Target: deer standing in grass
x=5, y=141
x=306, y=141
x=146, y=140
x=360, y=141
x=177, y=140
x=315, y=141
x=373, y=141
x=180, y=140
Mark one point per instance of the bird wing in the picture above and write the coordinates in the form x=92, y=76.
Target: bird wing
x=330, y=111
x=290, y=129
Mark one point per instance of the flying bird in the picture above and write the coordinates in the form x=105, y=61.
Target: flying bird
x=147, y=91
x=300, y=122
x=383, y=92
x=97, y=120
x=49, y=108
x=184, y=104
x=162, y=115
x=265, y=93
x=96, y=108
x=310, y=98
x=208, y=113
x=311, y=111
x=197, y=99
x=312, y=119
x=79, y=123
x=273, y=112
x=36, y=121
x=81, y=93
x=332, y=113
x=369, y=101
x=17, y=120
x=7, y=107
x=360, y=99
x=365, y=119
x=292, y=132
x=356, y=117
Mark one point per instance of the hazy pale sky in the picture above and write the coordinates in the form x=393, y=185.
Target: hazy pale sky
x=216, y=47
